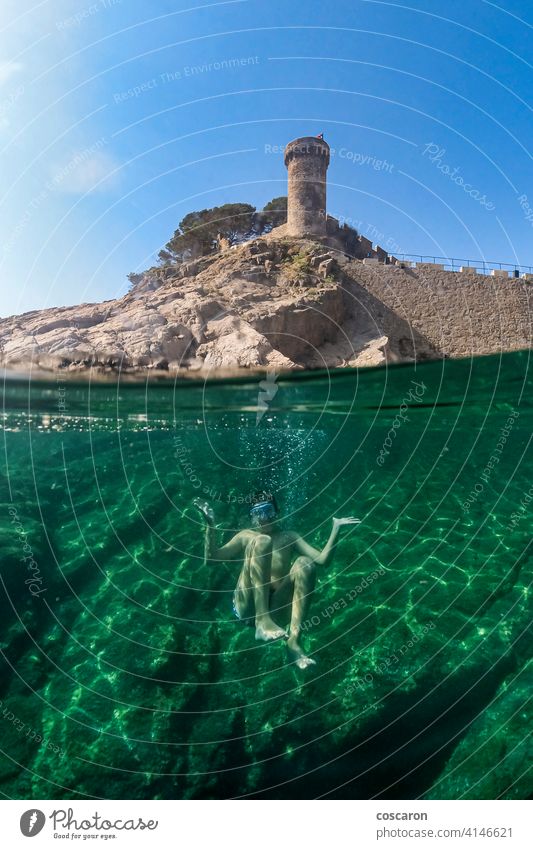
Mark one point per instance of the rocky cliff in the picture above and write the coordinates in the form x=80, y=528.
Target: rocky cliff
x=278, y=303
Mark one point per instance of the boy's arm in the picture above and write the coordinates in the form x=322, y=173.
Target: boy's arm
x=322, y=558
x=230, y=551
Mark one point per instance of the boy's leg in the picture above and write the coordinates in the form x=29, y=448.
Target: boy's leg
x=303, y=577
x=253, y=586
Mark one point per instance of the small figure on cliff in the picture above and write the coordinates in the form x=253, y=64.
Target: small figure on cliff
x=223, y=242
x=278, y=574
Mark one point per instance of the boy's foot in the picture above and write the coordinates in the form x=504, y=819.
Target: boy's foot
x=268, y=630
x=298, y=655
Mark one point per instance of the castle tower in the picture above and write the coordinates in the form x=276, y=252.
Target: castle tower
x=307, y=161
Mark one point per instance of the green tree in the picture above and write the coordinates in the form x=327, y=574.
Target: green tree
x=273, y=214
x=198, y=232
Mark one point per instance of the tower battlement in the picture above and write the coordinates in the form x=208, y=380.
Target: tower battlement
x=307, y=146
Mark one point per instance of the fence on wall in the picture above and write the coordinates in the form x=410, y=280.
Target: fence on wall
x=482, y=266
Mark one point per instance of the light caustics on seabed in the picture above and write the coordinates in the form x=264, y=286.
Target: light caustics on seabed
x=125, y=674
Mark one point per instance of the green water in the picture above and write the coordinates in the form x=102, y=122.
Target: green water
x=124, y=671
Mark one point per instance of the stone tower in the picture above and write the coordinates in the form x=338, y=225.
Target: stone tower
x=307, y=161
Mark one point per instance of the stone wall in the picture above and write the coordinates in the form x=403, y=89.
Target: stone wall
x=460, y=314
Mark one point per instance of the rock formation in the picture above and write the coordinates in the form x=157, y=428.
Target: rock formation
x=277, y=302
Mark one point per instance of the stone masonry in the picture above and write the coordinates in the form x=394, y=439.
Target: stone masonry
x=307, y=161
x=460, y=314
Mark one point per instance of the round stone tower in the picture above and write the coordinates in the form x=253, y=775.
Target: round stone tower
x=307, y=161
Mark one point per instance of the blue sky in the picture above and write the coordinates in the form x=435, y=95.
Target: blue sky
x=117, y=117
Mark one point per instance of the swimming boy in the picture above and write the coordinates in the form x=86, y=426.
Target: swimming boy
x=278, y=574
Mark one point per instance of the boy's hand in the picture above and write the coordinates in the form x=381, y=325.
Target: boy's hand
x=349, y=520
x=206, y=510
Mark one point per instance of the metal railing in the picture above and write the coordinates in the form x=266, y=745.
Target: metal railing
x=452, y=264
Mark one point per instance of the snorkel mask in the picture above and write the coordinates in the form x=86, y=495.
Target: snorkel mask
x=263, y=512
